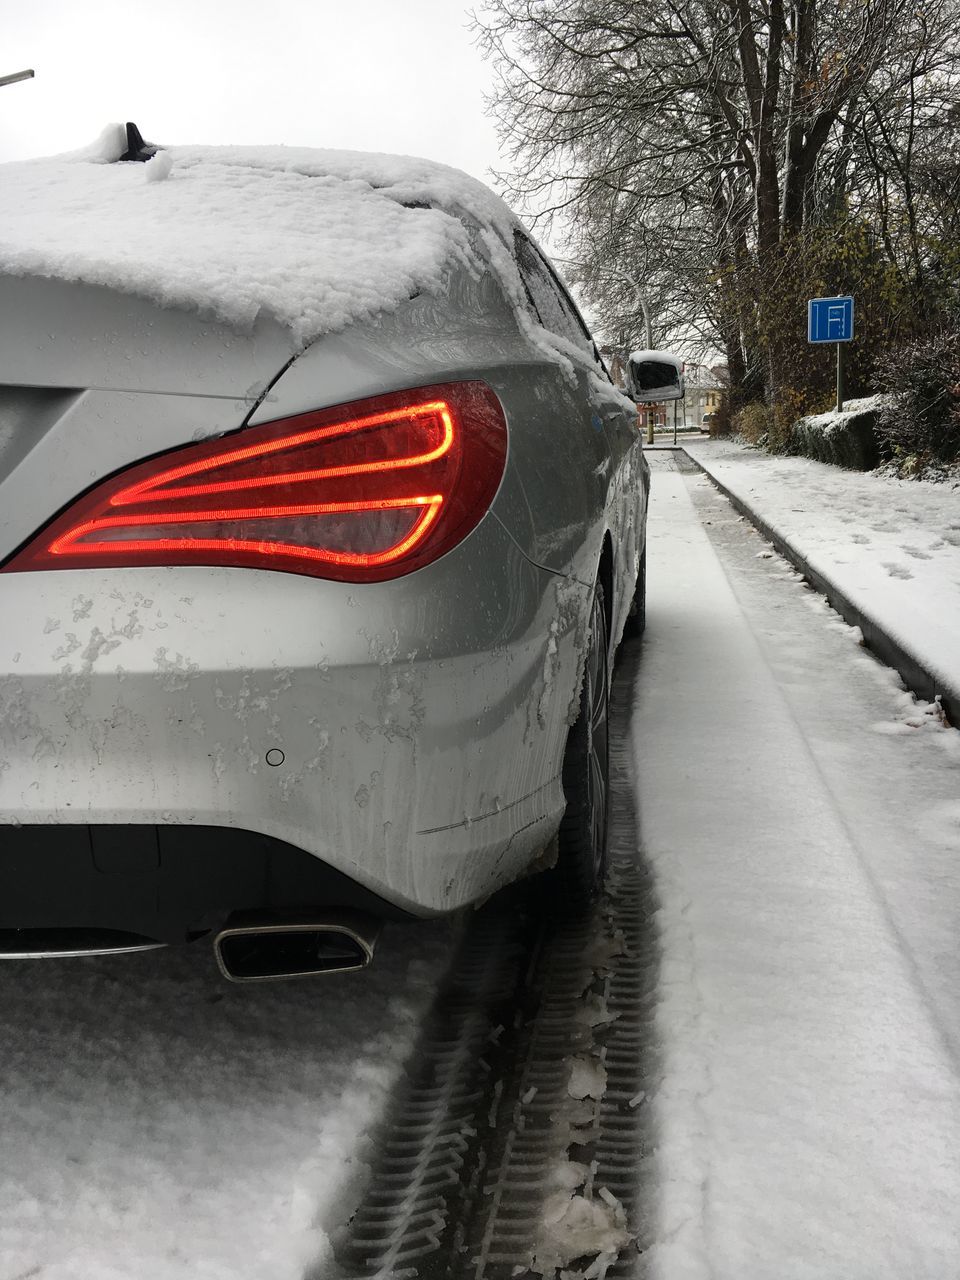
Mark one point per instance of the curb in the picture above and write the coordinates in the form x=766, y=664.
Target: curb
x=915, y=674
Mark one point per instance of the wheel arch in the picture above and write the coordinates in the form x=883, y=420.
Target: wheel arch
x=605, y=578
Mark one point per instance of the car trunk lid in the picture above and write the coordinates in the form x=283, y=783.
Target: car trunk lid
x=66, y=334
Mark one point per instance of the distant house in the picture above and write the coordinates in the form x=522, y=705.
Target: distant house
x=704, y=386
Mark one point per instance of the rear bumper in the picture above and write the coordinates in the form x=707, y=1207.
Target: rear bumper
x=417, y=726
x=161, y=883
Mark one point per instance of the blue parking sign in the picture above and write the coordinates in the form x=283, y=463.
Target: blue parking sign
x=830, y=320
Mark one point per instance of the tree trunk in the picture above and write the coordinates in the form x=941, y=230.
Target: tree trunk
x=803, y=30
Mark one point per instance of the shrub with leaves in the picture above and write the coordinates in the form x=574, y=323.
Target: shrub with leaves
x=838, y=259
x=721, y=424
x=920, y=420
x=752, y=423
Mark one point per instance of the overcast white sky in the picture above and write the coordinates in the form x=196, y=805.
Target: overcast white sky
x=368, y=75
x=371, y=75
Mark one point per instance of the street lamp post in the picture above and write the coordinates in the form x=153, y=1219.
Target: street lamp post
x=639, y=296
x=15, y=76
x=640, y=300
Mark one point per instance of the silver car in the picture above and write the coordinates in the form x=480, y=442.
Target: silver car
x=303, y=626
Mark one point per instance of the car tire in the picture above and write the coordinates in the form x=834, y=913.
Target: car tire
x=637, y=617
x=582, y=840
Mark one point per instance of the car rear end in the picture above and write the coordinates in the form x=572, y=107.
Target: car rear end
x=200, y=726
x=294, y=598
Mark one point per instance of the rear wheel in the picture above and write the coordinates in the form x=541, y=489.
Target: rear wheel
x=637, y=617
x=582, y=839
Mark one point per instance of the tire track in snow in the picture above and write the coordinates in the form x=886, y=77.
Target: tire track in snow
x=515, y=1144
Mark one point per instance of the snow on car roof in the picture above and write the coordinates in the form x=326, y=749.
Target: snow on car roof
x=315, y=238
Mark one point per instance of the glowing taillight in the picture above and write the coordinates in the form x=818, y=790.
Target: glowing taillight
x=360, y=493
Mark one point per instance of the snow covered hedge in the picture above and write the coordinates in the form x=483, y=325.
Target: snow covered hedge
x=849, y=439
x=916, y=423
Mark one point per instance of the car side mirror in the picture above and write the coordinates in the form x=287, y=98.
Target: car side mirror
x=654, y=376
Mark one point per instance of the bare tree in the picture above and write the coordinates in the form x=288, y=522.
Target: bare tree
x=691, y=142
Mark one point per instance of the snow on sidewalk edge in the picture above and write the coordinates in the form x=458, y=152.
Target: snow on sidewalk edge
x=919, y=675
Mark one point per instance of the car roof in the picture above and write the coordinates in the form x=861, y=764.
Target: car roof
x=315, y=239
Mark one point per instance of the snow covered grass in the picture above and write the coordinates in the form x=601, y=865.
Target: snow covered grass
x=160, y=1123
x=892, y=546
x=913, y=467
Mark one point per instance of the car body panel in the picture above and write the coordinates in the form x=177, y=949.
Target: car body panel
x=59, y=445
x=57, y=333
x=422, y=720
x=421, y=723
x=575, y=452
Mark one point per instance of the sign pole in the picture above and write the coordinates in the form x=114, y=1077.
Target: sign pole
x=841, y=375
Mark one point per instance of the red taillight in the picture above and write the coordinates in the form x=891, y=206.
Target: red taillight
x=360, y=493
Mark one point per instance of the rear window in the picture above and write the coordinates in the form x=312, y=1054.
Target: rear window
x=549, y=298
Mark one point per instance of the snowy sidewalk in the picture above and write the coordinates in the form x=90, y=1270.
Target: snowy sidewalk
x=807, y=864
x=889, y=547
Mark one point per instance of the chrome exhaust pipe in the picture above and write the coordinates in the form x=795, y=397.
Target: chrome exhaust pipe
x=70, y=943
x=264, y=949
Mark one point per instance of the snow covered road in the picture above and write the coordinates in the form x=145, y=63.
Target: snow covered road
x=802, y=816
x=161, y=1124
